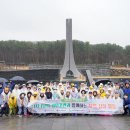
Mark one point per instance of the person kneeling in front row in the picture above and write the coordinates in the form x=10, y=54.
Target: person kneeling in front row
x=22, y=105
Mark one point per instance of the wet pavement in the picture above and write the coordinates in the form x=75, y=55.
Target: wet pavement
x=66, y=123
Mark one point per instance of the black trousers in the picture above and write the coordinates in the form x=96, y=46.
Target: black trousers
x=5, y=109
x=126, y=111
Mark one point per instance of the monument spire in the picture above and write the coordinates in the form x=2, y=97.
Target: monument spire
x=69, y=70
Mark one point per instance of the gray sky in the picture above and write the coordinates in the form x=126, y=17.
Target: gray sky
x=97, y=21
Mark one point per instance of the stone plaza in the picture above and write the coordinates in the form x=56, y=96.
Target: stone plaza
x=79, y=122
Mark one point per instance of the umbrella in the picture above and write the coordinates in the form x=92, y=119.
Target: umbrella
x=33, y=81
x=17, y=78
x=3, y=80
x=103, y=81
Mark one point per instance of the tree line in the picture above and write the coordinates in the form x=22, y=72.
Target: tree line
x=52, y=52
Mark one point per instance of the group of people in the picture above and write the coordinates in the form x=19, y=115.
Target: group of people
x=14, y=99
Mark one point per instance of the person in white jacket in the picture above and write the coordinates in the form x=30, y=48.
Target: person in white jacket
x=22, y=103
x=16, y=91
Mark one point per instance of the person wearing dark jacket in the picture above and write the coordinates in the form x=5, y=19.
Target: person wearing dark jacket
x=48, y=93
x=1, y=88
x=126, y=105
x=127, y=88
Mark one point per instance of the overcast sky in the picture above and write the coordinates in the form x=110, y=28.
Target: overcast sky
x=97, y=21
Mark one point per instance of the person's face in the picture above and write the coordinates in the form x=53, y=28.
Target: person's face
x=24, y=86
x=12, y=97
x=34, y=88
x=62, y=91
x=107, y=96
x=127, y=85
x=42, y=94
x=116, y=95
x=109, y=91
x=29, y=95
x=98, y=95
x=101, y=91
x=125, y=97
x=93, y=84
x=6, y=90
x=35, y=95
x=94, y=94
x=68, y=94
x=82, y=85
x=83, y=92
x=60, y=86
x=69, y=88
x=90, y=94
x=0, y=85
x=117, y=86
x=55, y=90
x=16, y=87
x=48, y=90
x=29, y=88
x=39, y=89
x=73, y=89
x=22, y=96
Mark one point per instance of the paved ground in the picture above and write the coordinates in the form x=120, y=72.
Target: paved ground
x=66, y=123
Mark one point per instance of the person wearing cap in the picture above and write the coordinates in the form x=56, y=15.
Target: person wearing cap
x=100, y=86
x=38, y=85
x=34, y=89
x=122, y=85
x=11, y=85
x=23, y=89
x=22, y=103
x=16, y=91
x=61, y=94
x=95, y=94
x=108, y=95
x=90, y=95
x=102, y=93
x=34, y=96
x=60, y=86
x=29, y=95
x=42, y=95
x=91, y=88
x=39, y=89
x=29, y=89
x=82, y=86
x=68, y=88
x=120, y=91
x=1, y=88
x=48, y=93
x=1, y=105
x=55, y=95
x=117, y=96
x=126, y=104
x=98, y=95
x=74, y=92
x=5, y=94
x=67, y=95
x=110, y=92
x=94, y=85
x=83, y=95
x=127, y=88
x=12, y=102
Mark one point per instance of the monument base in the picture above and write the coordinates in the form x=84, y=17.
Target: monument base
x=73, y=79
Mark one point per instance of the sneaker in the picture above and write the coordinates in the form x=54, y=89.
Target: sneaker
x=19, y=115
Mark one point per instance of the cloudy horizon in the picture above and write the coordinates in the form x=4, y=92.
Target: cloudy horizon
x=101, y=21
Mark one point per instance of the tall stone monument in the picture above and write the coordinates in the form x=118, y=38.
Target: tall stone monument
x=69, y=72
